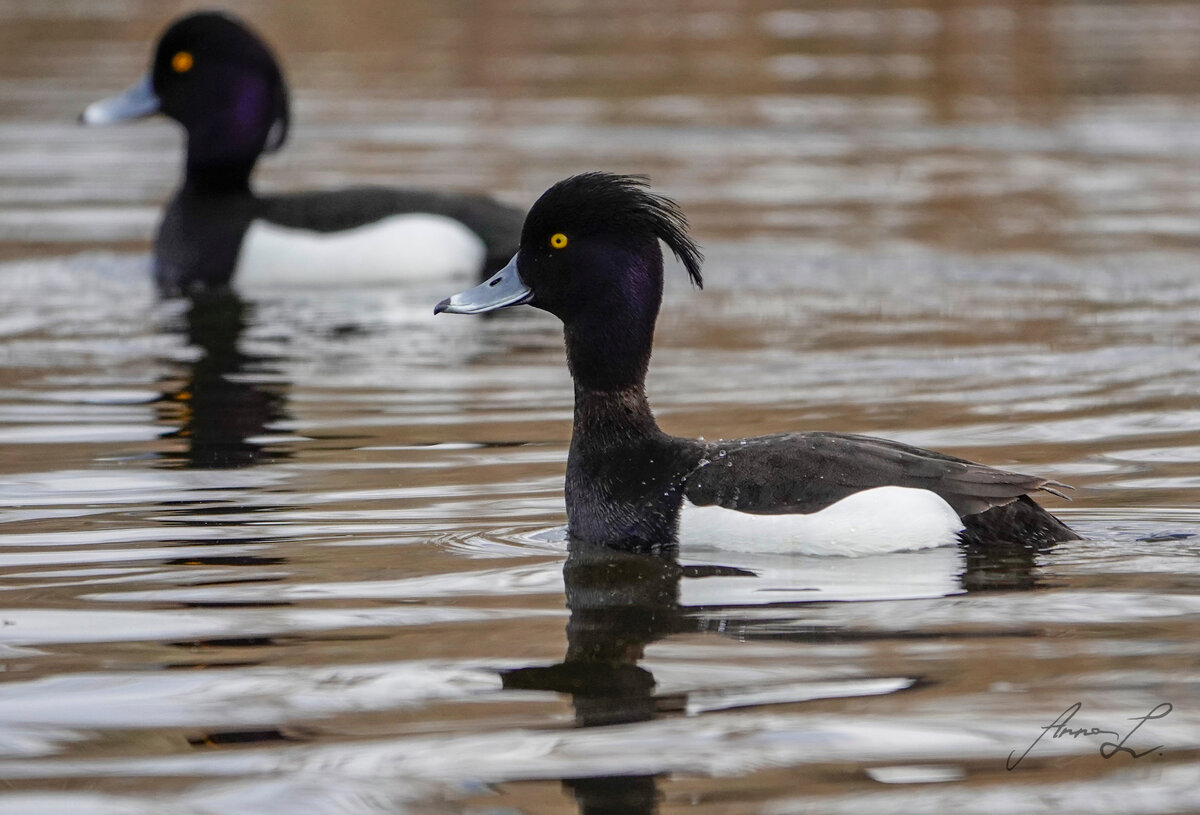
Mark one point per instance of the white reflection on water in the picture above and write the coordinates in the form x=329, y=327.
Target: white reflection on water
x=30, y=626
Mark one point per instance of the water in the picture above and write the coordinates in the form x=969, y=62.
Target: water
x=296, y=553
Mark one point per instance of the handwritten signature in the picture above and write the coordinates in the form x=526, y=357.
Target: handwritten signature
x=1060, y=727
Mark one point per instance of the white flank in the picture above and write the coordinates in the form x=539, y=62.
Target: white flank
x=397, y=248
x=883, y=519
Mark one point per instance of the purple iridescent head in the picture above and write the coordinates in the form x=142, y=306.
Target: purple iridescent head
x=216, y=78
x=590, y=255
x=589, y=247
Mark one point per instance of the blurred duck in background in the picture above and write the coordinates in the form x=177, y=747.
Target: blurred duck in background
x=217, y=79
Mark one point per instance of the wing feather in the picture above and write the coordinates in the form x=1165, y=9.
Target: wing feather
x=806, y=472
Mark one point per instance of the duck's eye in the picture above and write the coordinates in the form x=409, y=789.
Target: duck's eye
x=558, y=240
x=182, y=62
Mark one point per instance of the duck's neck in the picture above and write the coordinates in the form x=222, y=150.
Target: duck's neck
x=202, y=175
x=615, y=416
x=609, y=355
x=610, y=336
x=224, y=145
x=619, y=487
x=608, y=359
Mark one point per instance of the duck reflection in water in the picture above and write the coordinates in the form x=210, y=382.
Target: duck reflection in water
x=621, y=601
x=227, y=397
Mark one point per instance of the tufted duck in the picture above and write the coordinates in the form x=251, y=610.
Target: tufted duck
x=590, y=255
x=222, y=84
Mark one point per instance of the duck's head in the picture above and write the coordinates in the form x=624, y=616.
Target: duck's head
x=216, y=78
x=590, y=255
x=589, y=247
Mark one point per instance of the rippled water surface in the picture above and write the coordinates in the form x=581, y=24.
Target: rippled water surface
x=296, y=552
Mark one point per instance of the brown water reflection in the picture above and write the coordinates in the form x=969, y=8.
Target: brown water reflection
x=971, y=226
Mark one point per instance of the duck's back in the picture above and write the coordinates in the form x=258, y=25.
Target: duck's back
x=808, y=473
x=354, y=236
x=496, y=224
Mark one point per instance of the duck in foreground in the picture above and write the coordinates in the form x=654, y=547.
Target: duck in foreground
x=590, y=255
x=217, y=79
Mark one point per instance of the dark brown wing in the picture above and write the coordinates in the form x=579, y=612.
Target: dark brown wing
x=806, y=472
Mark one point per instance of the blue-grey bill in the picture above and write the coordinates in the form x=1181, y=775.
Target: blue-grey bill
x=134, y=102
x=504, y=288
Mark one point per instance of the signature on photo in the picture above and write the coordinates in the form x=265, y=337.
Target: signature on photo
x=1061, y=727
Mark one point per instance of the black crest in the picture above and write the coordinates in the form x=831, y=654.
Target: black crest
x=614, y=204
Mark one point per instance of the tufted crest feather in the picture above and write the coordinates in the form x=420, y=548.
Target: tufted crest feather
x=616, y=204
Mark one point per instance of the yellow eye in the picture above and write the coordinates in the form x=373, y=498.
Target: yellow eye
x=558, y=240
x=182, y=62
